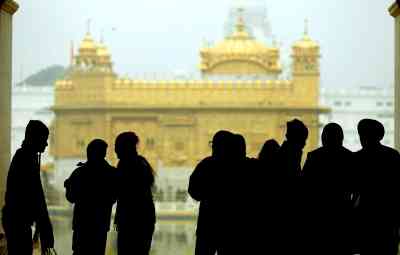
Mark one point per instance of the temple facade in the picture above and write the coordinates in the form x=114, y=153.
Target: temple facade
x=239, y=90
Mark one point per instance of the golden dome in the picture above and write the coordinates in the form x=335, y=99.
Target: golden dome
x=306, y=42
x=240, y=42
x=87, y=43
x=102, y=50
x=240, y=53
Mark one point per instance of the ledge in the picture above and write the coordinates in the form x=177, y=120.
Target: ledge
x=394, y=10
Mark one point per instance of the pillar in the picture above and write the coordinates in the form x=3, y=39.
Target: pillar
x=395, y=12
x=7, y=9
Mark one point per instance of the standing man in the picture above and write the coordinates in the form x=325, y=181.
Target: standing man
x=25, y=204
x=207, y=184
x=91, y=188
x=327, y=177
x=378, y=175
x=288, y=207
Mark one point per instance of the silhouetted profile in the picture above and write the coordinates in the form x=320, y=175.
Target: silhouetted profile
x=327, y=194
x=291, y=151
x=91, y=188
x=269, y=150
x=135, y=216
x=267, y=157
x=25, y=204
x=205, y=186
x=288, y=205
x=378, y=175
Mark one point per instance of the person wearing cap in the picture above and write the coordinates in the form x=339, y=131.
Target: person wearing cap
x=25, y=203
x=92, y=189
x=378, y=174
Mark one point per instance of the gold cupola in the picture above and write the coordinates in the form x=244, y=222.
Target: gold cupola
x=305, y=55
x=306, y=42
x=240, y=54
x=88, y=45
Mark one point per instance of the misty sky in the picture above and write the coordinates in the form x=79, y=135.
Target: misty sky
x=164, y=36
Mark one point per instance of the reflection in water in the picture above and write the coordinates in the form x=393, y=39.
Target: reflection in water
x=170, y=237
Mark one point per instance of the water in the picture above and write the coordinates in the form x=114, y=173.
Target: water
x=170, y=237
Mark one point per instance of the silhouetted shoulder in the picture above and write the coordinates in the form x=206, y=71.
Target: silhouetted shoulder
x=198, y=178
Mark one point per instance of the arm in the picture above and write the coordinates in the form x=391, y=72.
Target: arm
x=70, y=185
x=44, y=225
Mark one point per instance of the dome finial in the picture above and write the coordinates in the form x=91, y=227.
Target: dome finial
x=88, y=26
x=71, y=53
x=102, y=36
x=240, y=26
x=306, y=27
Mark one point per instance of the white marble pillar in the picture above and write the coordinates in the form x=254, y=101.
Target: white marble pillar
x=7, y=9
x=395, y=12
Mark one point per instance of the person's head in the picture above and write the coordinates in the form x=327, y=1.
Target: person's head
x=239, y=145
x=332, y=135
x=221, y=143
x=36, y=135
x=269, y=149
x=371, y=132
x=296, y=133
x=96, y=150
x=126, y=145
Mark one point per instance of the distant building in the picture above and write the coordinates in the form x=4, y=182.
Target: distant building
x=351, y=105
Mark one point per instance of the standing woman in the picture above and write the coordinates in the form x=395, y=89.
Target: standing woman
x=135, y=215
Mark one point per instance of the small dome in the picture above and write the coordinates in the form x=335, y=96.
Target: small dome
x=102, y=50
x=306, y=42
x=240, y=42
x=87, y=43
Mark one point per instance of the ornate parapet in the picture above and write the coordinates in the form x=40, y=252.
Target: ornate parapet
x=126, y=93
x=199, y=93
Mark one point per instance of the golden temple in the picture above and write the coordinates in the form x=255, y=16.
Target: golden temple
x=239, y=90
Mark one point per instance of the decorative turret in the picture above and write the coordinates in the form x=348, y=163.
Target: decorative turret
x=240, y=54
x=92, y=56
x=305, y=68
x=306, y=54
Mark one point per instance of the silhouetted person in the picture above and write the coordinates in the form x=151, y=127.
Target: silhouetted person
x=328, y=176
x=25, y=203
x=378, y=172
x=91, y=188
x=267, y=157
x=206, y=186
x=269, y=150
x=288, y=224
x=291, y=151
x=135, y=216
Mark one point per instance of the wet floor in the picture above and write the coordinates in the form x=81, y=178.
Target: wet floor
x=170, y=238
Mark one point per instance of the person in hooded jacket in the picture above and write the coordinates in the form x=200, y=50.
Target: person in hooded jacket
x=25, y=203
x=91, y=188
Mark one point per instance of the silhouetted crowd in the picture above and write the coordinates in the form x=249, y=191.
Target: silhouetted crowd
x=273, y=204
